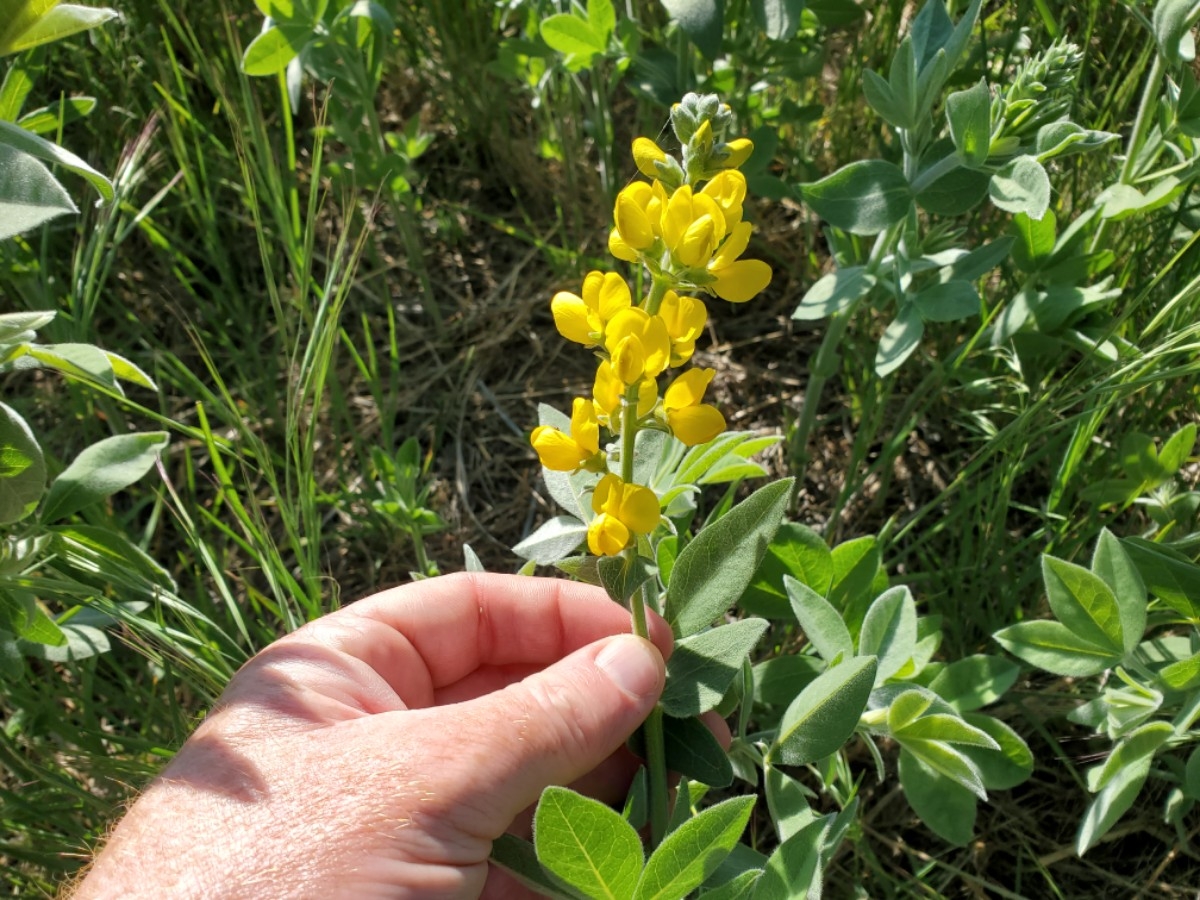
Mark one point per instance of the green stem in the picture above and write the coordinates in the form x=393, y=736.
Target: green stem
x=290, y=142
x=658, y=290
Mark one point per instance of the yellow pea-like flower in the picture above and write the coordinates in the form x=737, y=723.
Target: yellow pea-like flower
x=637, y=215
x=563, y=452
x=728, y=189
x=583, y=319
x=622, y=511
x=685, y=318
x=645, y=154
x=638, y=345
x=739, y=151
x=692, y=227
x=738, y=280
x=608, y=390
x=689, y=419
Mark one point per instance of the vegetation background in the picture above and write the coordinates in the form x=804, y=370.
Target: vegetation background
x=350, y=340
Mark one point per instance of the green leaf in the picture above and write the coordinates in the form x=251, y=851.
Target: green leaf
x=703, y=666
x=25, y=142
x=519, y=859
x=1114, y=567
x=980, y=261
x=21, y=15
x=906, y=708
x=899, y=340
x=948, y=761
x=1110, y=804
x=82, y=361
x=48, y=119
x=102, y=469
x=62, y=21
x=881, y=98
x=1056, y=648
x=822, y=624
x=931, y=29
x=945, y=728
x=692, y=852
x=1021, y=186
x=946, y=807
x=714, y=568
x=571, y=35
x=1171, y=577
x=974, y=682
x=1183, y=675
x=29, y=195
x=889, y=631
x=740, y=887
x=1085, y=604
x=586, y=845
x=1177, y=449
x=787, y=801
x=602, y=17
x=778, y=680
x=555, y=540
x=1142, y=742
x=271, y=51
x=794, y=868
x=902, y=79
x=855, y=570
x=623, y=575
x=1001, y=769
x=864, y=197
x=958, y=191
x=702, y=21
x=834, y=293
x=779, y=19
x=969, y=113
x=1172, y=22
x=796, y=551
x=947, y=301
x=823, y=717
x=692, y=750
x=22, y=467
x=21, y=326
x=1034, y=240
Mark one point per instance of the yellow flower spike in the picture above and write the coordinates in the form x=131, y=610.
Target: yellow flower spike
x=582, y=319
x=622, y=510
x=638, y=344
x=685, y=318
x=738, y=280
x=739, y=151
x=728, y=189
x=629, y=213
x=645, y=154
x=563, y=452
x=690, y=420
x=692, y=227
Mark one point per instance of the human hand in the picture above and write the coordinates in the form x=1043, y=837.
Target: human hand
x=378, y=751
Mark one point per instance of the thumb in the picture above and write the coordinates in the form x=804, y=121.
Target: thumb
x=560, y=723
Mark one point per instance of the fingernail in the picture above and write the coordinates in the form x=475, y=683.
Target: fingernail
x=633, y=665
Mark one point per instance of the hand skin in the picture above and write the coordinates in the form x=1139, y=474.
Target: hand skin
x=379, y=751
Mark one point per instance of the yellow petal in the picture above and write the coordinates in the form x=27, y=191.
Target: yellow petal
x=677, y=216
x=656, y=344
x=629, y=359
x=585, y=430
x=607, y=389
x=556, y=450
x=696, y=247
x=607, y=536
x=571, y=318
x=728, y=190
x=607, y=493
x=656, y=206
x=739, y=151
x=632, y=222
x=645, y=154
x=592, y=282
x=618, y=248
x=735, y=245
x=696, y=424
x=688, y=389
x=647, y=397
x=684, y=316
x=742, y=280
x=614, y=296
x=639, y=508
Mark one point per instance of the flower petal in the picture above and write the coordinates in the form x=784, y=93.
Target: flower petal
x=696, y=424
x=677, y=217
x=639, y=508
x=585, y=430
x=607, y=536
x=571, y=318
x=607, y=389
x=614, y=296
x=688, y=389
x=632, y=221
x=742, y=280
x=618, y=248
x=735, y=245
x=556, y=450
x=606, y=493
x=739, y=151
x=645, y=154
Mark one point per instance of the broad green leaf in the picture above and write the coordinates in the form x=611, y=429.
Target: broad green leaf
x=798, y=552
x=787, y=801
x=1111, y=803
x=945, y=806
x=273, y=49
x=703, y=666
x=1056, y=648
x=519, y=859
x=1034, y=240
x=692, y=750
x=794, y=868
x=62, y=21
x=1173, y=21
x=79, y=642
x=864, y=197
x=1191, y=781
x=48, y=119
x=1085, y=604
x=931, y=29
x=947, y=301
x=741, y=887
x=29, y=195
x=980, y=261
x=104, y=468
x=970, y=683
x=18, y=83
x=586, y=845
x=948, y=761
x=856, y=570
x=702, y=21
x=969, y=113
x=22, y=467
x=82, y=361
x=778, y=680
x=572, y=35
x=947, y=729
x=555, y=540
x=19, y=17
x=1140, y=743
x=902, y=79
x=38, y=632
x=881, y=98
x=958, y=191
x=693, y=851
x=1001, y=769
x=889, y=631
x=602, y=17
x=1113, y=566
x=19, y=325
x=22, y=140
x=1177, y=449
x=623, y=575
x=124, y=370
x=823, y=717
x=1021, y=186
x=834, y=293
x=906, y=707
x=1171, y=577
x=779, y=19
x=1183, y=675
x=822, y=624
x=899, y=340
x=714, y=568
x=280, y=10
